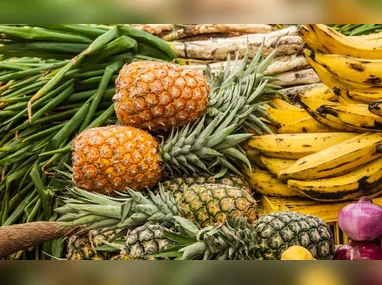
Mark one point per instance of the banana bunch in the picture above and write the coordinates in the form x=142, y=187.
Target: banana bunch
x=325, y=167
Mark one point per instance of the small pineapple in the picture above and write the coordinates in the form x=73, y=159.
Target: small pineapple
x=84, y=247
x=143, y=241
x=157, y=96
x=277, y=231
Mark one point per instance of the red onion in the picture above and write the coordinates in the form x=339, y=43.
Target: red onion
x=356, y=250
x=361, y=221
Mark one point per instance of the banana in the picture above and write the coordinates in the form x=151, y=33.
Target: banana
x=304, y=125
x=336, y=160
x=330, y=79
x=284, y=105
x=283, y=116
x=365, y=180
x=376, y=108
x=321, y=92
x=295, y=146
x=354, y=115
x=363, y=71
x=331, y=41
x=311, y=106
x=275, y=165
x=254, y=157
x=266, y=184
x=344, y=97
x=365, y=95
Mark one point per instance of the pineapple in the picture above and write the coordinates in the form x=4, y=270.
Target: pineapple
x=119, y=157
x=180, y=184
x=157, y=96
x=267, y=239
x=84, y=247
x=112, y=158
x=203, y=204
x=143, y=241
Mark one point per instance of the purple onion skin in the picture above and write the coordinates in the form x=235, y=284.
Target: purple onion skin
x=358, y=250
x=361, y=221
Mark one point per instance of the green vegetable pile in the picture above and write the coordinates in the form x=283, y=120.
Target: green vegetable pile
x=56, y=81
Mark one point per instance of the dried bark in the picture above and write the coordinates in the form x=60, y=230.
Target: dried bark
x=22, y=236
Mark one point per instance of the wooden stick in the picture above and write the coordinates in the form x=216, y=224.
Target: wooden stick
x=194, y=30
x=22, y=236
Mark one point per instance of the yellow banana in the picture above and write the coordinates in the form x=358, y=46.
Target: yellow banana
x=311, y=106
x=295, y=146
x=330, y=79
x=275, y=165
x=284, y=105
x=344, y=97
x=320, y=92
x=283, y=116
x=331, y=41
x=354, y=115
x=363, y=71
x=311, y=39
x=362, y=181
x=365, y=95
x=336, y=160
x=266, y=184
x=254, y=157
x=304, y=125
x=376, y=108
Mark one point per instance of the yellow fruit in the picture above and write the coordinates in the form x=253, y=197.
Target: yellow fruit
x=336, y=160
x=283, y=116
x=295, y=146
x=305, y=125
x=320, y=92
x=265, y=183
x=284, y=105
x=325, y=39
x=115, y=157
x=297, y=252
x=275, y=165
x=155, y=95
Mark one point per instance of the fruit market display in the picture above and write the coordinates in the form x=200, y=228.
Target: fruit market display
x=152, y=142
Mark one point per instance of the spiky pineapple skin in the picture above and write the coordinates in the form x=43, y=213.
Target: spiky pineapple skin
x=157, y=96
x=180, y=184
x=115, y=157
x=206, y=204
x=84, y=247
x=277, y=231
x=142, y=241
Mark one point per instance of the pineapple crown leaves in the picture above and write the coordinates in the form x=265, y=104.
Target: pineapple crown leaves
x=128, y=210
x=231, y=240
x=196, y=148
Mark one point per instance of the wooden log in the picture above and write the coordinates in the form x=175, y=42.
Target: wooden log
x=22, y=236
x=286, y=41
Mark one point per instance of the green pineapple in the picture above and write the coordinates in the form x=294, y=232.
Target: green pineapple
x=84, y=247
x=143, y=241
x=203, y=204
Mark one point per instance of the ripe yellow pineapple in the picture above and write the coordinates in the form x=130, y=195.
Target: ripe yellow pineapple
x=115, y=157
x=156, y=96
